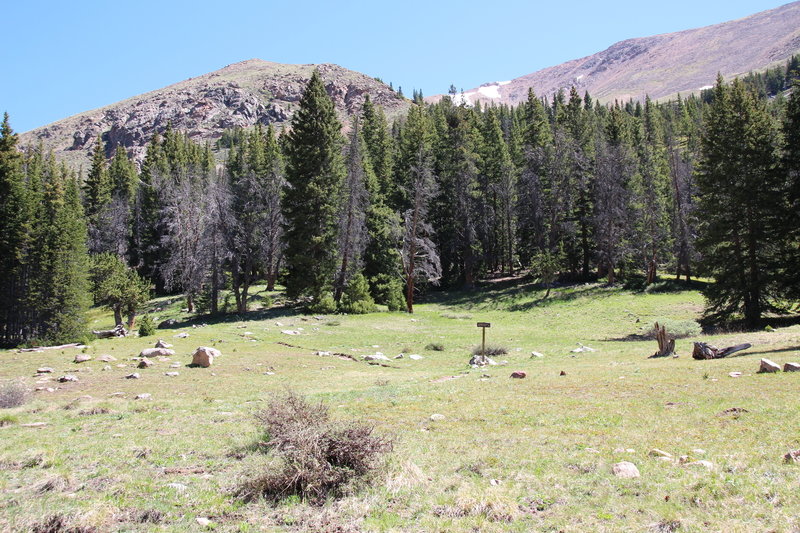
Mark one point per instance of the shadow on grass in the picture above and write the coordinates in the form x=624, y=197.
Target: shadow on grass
x=283, y=311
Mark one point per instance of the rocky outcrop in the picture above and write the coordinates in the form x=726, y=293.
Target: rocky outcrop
x=237, y=96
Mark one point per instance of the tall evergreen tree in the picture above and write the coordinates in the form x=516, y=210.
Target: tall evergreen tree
x=739, y=195
x=314, y=174
x=791, y=169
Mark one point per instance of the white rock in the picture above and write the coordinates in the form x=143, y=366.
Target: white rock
x=581, y=348
x=699, y=451
x=536, y=355
x=399, y=356
x=179, y=487
x=290, y=332
x=376, y=357
x=153, y=352
x=107, y=358
x=67, y=378
x=735, y=374
x=415, y=357
x=171, y=374
x=44, y=370
x=204, y=356
x=203, y=521
x=655, y=452
x=437, y=416
x=322, y=354
x=162, y=344
x=766, y=367
x=175, y=365
x=708, y=465
x=625, y=469
x=82, y=357
x=135, y=375
x=143, y=396
x=183, y=335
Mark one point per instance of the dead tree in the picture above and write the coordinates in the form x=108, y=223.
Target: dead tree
x=706, y=351
x=666, y=346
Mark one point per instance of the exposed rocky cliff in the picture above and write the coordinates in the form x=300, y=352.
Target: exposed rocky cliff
x=663, y=65
x=239, y=95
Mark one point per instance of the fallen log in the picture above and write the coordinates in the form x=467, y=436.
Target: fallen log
x=666, y=346
x=118, y=331
x=59, y=347
x=706, y=351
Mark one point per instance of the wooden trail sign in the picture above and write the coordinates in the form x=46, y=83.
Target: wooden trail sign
x=483, y=326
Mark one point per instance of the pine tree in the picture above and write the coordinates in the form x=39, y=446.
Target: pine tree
x=97, y=186
x=791, y=170
x=314, y=174
x=739, y=196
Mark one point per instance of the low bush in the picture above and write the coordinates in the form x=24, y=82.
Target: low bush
x=13, y=394
x=491, y=349
x=315, y=456
x=435, y=347
x=146, y=326
x=677, y=329
x=324, y=305
x=357, y=299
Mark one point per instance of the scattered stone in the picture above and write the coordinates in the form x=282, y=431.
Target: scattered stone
x=494, y=482
x=171, y=374
x=562, y=373
x=735, y=374
x=791, y=367
x=204, y=356
x=655, y=452
x=144, y=363
x=536, y=355
x=143, y=396
x=116, y=394
x=179, y=487
x=162, y=344
x=735, y=411
x=708, y=465
x=135, y=375
x=82, y=357
x=683, y=459
x=699, y=451
x=168, y=323
x=625, y=469
x=482, y=360
x=33, y=425
x=592, y=450
x=175, y=365
x=415, y=357
x=106, y=368
x=792, y=457
x=290, y=332
x=322, y=354
x=624, y=450
x=154, y=352
x=664, y=459
x=767, y=367
x=183, y=335
x=436, y=417
x=107, y=358
x=44, y=389
x=44, y=370
x=519, y=374
x=203, y=521
x=399, y=356
x=67, y=378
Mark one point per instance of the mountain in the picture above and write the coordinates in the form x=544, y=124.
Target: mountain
x=663, y=65
x=239, y=95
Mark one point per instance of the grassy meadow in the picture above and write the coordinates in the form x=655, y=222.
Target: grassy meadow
x=531, y=454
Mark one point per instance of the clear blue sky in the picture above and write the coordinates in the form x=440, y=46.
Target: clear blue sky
x=59, y=58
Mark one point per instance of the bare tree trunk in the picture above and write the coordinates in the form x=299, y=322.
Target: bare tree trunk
x=131, y=320
x=117, y=316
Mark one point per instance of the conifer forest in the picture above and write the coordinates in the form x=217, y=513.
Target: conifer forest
x=348, y=216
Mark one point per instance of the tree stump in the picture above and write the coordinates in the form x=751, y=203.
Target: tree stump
x=666, y=346
x=706, y=351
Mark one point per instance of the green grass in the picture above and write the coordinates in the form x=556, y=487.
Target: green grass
x=510, y=455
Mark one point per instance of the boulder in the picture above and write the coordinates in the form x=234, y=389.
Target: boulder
x=44, y=370
x=170, y=323
x=655, y=452
x=143, y=396
x=67, y=379
x=162, y=344
x=377, y=356
x=437, y=417
x=767, y=367
x=625, y=469
x=708, y=465
x=145, y=363
x=107, y=358
x=791, y=367
x=415, y=357
x=204, y=356
x=519, y=374
x=536, y=355
x=135, y=375
x=154, y=352
x=82, y=357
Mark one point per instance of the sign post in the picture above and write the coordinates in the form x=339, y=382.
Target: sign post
x=483, y=326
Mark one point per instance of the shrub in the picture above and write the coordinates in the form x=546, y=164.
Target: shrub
x=356, y=299
x=677, y=329
x=389, y=291
x=146, y=326
x=323, y=305
x=491, y=349
x=316, y=457
x=435, y=347
x=13, y=394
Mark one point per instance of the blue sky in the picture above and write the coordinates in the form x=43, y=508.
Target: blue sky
x=60, y=58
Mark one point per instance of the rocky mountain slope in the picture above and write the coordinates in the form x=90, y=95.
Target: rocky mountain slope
x=239, y=95
x=662, y=65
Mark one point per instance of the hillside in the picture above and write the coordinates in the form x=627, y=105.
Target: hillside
x=239, y=95
x=662, y=65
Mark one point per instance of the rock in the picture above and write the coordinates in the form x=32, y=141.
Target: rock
x=683, y=459
x=536, y=355
x=494, y=482
x=203, y=521
x=162, y=344
x=791, y=367
x=519, y=374
x=625, y=469
x=437, y=417
x=135, y=375
x=154, y=352
x=708, y=465
x=322, y=354
x=175, y=365
x=204, y=356
x=767, y=367
x=290, y=332
x=376, y=357
x=68, y=378
x=792, y=457
x=399, y=356
x=116, y=394
x=699, y=451
x=107, y=358
x=82, y=357
x=143, y=396
x=144, y=363
x=171, y=374
x=106, y=368
x=482, y=360
x=562, y=373
x=415, y=357
x=655, y=452
x=170, y=323
x=735, y=374
x=183, y=335
x=33, y=425
x=624, y=450
x=581, y=348
x=44, y=370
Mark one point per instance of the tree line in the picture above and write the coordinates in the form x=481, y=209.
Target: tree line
x=565, y=188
